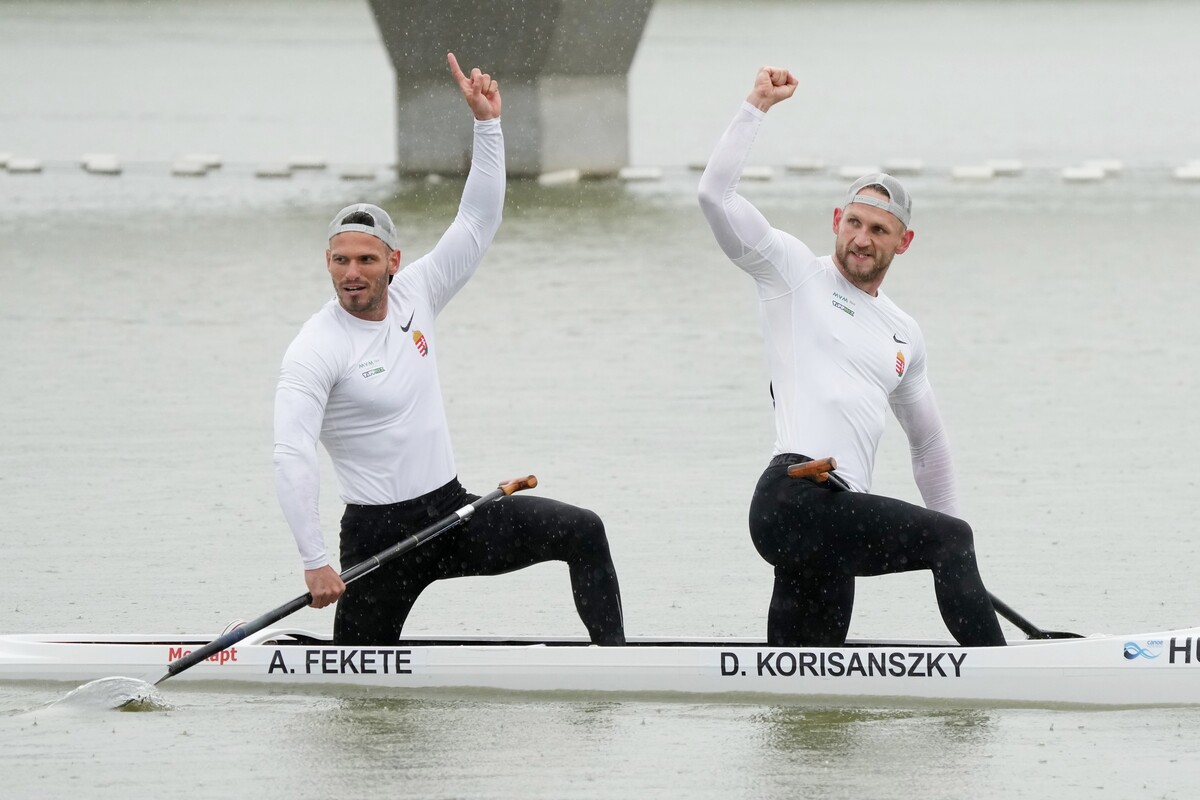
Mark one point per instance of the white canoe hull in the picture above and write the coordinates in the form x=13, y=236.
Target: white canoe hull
x=1142, y=669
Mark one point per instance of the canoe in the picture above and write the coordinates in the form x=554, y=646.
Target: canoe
x=1155, y=669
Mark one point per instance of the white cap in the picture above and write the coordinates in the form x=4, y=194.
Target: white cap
x=365, y=218
x=899, y=204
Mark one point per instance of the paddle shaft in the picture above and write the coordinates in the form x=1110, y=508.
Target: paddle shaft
x=822, y=470
x=353, y=573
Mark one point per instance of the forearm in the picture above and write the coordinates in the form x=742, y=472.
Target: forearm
x=929, y=448
x=298, y=487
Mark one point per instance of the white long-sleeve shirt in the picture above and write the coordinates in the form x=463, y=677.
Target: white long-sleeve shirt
x=369, y=391
x=837, y=356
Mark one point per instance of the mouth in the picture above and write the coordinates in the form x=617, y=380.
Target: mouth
x=353, y=289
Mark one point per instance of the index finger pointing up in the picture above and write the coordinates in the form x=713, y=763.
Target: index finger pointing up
x=454, y=68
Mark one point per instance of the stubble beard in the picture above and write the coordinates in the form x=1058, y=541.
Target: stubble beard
x=866, y=273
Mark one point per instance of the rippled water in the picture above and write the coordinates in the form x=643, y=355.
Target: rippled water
x=607, y=347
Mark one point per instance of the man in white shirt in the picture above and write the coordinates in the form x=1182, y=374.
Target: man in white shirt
x=361, y=378
x=840, y=353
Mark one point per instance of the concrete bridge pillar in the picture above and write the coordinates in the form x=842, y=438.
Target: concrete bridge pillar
x=562, y=66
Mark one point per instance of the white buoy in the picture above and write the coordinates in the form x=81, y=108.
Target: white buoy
x=357, y=173
x=1188, y=172
x=23, y=165
x=698, y=166
x=972, y=172
x=640, y=174
x=187, y=168
x=307, y=162
x=273, y=171
x=904, y=166
x=4, y=159
x=101, y=164
x=560, y=177
x=853, y=172
x=209, y=160
x=1006, y=167
x=1110, y=166
x=805, y=165
x=1082, y=174
x=754, y=173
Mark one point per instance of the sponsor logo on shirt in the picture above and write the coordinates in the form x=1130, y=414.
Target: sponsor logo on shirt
x=371, y=367
x=419, y=341
x=842, y=303
x=899, y=364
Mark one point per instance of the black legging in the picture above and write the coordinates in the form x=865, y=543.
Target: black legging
x=505, y=535
x=819, y=539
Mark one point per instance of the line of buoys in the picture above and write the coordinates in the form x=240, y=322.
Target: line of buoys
x=200, y=164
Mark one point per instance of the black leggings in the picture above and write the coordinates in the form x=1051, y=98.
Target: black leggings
x=819, y=539
x=505, y=535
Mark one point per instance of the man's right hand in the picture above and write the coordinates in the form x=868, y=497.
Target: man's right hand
x=771, y=85
x=324, y=584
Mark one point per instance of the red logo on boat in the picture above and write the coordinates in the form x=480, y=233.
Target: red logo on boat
x=422, y=345
x=899, y=364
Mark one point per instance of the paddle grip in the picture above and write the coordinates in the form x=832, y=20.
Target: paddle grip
x=818, y=469
x=517, y=484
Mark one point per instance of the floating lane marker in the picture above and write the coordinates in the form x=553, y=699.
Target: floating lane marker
x=698, y=166
x=853, y=172
x=1111, y=166
x=4, y=159
x=1188, y=172
x=1006, y=167
x=758, y=174
x=192, y=169
x=633, y=174
x=307, y=162
x=973, y=172
x=805, y=165
x=357, y=173
x=1083, y=174
x=560, y=177
x=273, y=171
x=101, y=164
x=23, y=165
x=209, y=160
x=904, y=166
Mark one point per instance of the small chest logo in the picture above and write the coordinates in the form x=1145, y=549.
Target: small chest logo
x=371, y=367
x=419, y=341
x=842, y=303
x=899, y=364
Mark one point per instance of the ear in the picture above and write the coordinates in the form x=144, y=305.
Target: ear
x=837, y=220
x=393, y=262
x=905, y=240
x=329, y=260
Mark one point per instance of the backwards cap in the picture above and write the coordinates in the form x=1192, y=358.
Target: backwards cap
x=899, y=204
x=380, y=225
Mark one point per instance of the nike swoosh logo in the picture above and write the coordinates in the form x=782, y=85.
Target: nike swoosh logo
x=895, y=339
x=410, y=319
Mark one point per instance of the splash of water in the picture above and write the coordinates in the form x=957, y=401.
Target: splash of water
x=118, y=693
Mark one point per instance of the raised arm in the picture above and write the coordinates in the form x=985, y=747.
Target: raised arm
x=738, y=226
x=450, y=264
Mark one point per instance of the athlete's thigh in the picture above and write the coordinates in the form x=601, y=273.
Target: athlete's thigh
x=897, y=536
x=518, y=531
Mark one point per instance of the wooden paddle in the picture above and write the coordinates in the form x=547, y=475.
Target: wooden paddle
x=822, y=470
x=353, y=573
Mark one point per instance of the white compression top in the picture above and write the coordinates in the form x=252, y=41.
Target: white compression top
x=837, y=356
x=369, y=390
